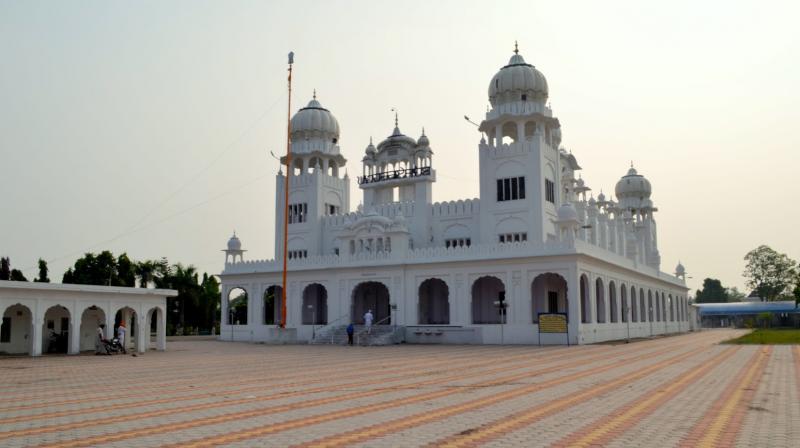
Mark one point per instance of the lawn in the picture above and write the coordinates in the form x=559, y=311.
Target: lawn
x=769, y=336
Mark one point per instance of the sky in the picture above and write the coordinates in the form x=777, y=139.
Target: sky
x=145, y=127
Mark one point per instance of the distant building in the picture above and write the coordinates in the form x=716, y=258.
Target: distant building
x=742, y=314
x=535, y=241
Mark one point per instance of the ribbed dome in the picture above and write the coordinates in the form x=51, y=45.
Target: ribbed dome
x=633, y=185
x=234, y=243
x=516, y=79
x=567, y=213
x=314, y=121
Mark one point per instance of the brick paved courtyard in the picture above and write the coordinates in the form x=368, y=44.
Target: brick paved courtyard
x=677, y=391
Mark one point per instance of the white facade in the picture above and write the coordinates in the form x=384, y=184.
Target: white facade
x=534, y=238
x=33, y=313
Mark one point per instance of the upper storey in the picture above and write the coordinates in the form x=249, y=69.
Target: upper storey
x=397, y=159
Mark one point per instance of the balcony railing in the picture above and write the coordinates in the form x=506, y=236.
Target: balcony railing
x=396, y=174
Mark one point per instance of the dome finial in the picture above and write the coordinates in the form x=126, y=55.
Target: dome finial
x=516, y=48
x=315, y=93
x=423, y=130
x=631, y=163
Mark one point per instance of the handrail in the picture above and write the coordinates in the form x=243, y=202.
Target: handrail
x=358, y=335
x=315, y=328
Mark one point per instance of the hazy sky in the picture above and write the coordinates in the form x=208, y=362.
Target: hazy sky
x=144, y=127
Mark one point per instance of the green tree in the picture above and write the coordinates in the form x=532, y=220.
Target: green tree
x=42, y=278
x=734, y=295
x=768, y=272
x=146, y=271
x=5, y=268
x=16, y=276
x=101, y=269
x=712, y=292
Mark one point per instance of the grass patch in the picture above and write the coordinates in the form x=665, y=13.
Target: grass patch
x=769, y=336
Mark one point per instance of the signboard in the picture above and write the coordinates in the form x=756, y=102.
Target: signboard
x=552, y=323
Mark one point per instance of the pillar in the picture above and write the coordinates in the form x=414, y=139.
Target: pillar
x=574, y=306
x=36, y=333
x=75, y=334
x=161, y=338
x=142, y=333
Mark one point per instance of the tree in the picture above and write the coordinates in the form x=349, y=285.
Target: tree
x=5, y=268
x=768, y=272
x=146, y=272
x=796, y=294
x=102, y=269
x=16, y=276
x=712, y=292
x=42, y=278
x=734, y=295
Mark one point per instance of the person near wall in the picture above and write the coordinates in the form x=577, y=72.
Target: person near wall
x=100, y=341
x=121, y=336
x=350, y=330
x=368, y=320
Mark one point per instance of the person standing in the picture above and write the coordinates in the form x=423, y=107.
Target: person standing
x=100, y=342
x=121, y=337
x=350, y=330
x=368, y=321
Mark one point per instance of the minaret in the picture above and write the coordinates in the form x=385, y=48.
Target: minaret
x=520, y=182
x=317, y=187
x=234, y=250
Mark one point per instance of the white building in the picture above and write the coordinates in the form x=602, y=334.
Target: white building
x=534, y=239
x=36, y=316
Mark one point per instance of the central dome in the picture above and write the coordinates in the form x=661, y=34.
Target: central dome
x=314, y=121
x=517, y=81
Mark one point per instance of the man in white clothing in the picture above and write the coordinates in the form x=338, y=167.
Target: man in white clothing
x=368, y=320
x=121, y=336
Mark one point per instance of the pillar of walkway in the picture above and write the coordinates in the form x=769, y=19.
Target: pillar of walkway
x=75, y=335
x=574, y=306
x=161, y=338
x=142, y=333
x=36, y=334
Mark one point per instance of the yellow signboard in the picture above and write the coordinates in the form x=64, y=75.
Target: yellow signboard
x=552, y=323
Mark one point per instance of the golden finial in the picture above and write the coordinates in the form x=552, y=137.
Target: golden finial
x=315, y=94
x=516, y=48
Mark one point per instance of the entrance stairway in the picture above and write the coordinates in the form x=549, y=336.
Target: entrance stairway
x=380, y=335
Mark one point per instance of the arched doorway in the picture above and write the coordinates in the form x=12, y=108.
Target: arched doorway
x=634, y=306
x=127, y=316
x=600, y=298
x=434, y=302
x=485, y=291
x=56, y=330
x=650, y=310
x=371, y=296
x=237, y=307
x=91, y=319
x=623, y=292
x=586, y=305
x=548, y=295
x=658, y=308
x=612, y=302
x=156, y=327
x=315, y=305
x=16, y=330
x=273, y=297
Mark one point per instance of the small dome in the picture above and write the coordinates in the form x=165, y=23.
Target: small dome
x=516, y=79
x=314, y=121
x=679, y=269
x=567, y=213
x=632, y=189
x=234, y=243
x=592, y=202
x=601, y=197
x=370, y=148
x=423, y=139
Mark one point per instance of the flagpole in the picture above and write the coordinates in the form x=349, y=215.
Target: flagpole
x=286, y=192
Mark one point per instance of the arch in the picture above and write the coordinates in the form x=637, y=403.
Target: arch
x=315, y=305
x=509, y=168
x=56, y=328
x=642, y=306
x=548, y=295
x=658, y=307
x=612, y=302
x=92, y=317
x=586, y=305
x=156, y=328
x=600, y=299
x=237, y=306
x=634, y=306
x=650, y=311
x=530, y=129
x=509, y=130
x=128, y=316
x=485, y=292
x=272, y=300
x=434, y=302
x=671, y=308
x=371, y=296
x=623, y=293
x=17, y=330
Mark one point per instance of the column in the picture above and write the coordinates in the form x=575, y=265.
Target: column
x=75, y=333
x=142, y=333
x=574, y=306
x=161, y=338
x=36, y=331
x=110, y=322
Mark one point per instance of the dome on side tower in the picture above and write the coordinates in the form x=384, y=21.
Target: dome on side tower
x=517, y=81
x=633, y=190
x=314, y=121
